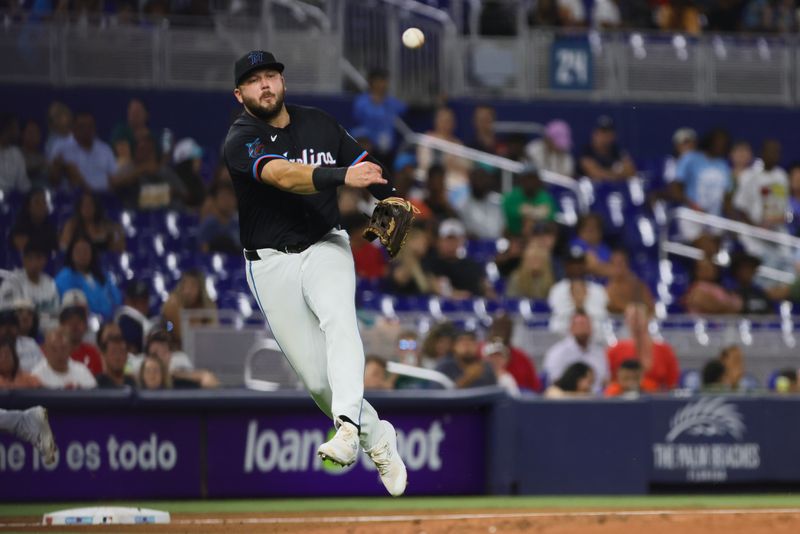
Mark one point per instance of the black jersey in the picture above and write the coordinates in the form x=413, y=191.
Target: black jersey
x=270, y=217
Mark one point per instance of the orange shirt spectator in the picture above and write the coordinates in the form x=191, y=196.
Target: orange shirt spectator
x=663, y=372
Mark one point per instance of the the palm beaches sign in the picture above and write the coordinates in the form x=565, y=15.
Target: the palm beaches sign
x=704, y=440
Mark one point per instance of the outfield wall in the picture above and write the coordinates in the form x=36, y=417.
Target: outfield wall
x=231, y=443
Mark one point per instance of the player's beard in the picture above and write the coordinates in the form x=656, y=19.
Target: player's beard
x=264, y=111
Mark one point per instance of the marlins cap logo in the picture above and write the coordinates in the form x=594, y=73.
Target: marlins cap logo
x=256, y=57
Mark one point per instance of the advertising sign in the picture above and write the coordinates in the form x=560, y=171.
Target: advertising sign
x=106, y=456
x=276, y=455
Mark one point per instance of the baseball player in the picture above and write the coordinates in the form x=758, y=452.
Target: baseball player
x=286, y=162
x=32, y=426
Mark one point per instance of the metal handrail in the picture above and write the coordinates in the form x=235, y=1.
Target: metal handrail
x=421, y=373
x=688, y=251
x=749, y=230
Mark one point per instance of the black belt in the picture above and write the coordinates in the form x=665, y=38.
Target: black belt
x=252, y=255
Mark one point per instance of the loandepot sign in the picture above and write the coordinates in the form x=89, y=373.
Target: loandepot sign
x=705, y=440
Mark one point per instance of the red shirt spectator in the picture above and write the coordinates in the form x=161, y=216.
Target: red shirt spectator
x=663, y=372
x=523, y=370
x=369, y=260
x=89, y=356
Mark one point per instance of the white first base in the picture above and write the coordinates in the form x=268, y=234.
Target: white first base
x=106, y=515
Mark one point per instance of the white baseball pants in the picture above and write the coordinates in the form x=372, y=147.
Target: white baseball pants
x=308, y=300
x=9, y=420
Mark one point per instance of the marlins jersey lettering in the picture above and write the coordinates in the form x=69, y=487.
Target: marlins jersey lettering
x=268, y=216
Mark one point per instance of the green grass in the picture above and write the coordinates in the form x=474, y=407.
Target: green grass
x=428, y=503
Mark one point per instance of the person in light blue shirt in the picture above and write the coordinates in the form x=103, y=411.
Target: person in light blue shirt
x=704, y=183
x=82, y=271
x=376, y=111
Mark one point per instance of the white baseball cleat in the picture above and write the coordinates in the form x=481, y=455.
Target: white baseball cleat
x=35, y=428
x=387, y=460
x=343, y=447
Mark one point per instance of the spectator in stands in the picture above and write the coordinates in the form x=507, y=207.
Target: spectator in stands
x=762, y=196
x=519, y=364
x=189, y=294
x=680, y=16
x=33, y=224
x=11, y=375
x=628, y=381
x=35, y=160
x=573, y=13
x=484, y=137
x=482, y=213
x=59, y=127
x=577, y=347
x=82, y=271
x=574, y=292
x=771, y=16
x=350, y=201
x=703, y=183
x=444, y=127
x=153, y=374
x=27, y=350
x=754, y=298
x=83, y=160
x=658, y=361
x=713, y=377
x=794, y=198
x=606, y=15
x=438, y=345
x=465, y=366
x=624, y=286
x=533, y=279
x=376, y=377
x=13, y=174
x=684, y=140
x=528, y=203
x=27, y=318
x=786, y=382
x=115, y=358
x=551, y=152
x=89, y=219
x=187, y=160
x=74, y=320
x=741, y=159
x=377, y=110
x=58, y=370
x=706, y=294
x=436, y=195
x=368, y=258
x=405, y=180
x=603, y=160
x=31, y=282
x=408, y=352
x=146, y=182
x=180, y=367
x=589, y=239
x=219, y=231
x=123, y=135
x=732, y=358
x=545, y=13
x=407, y=275
x=496, y=354
x=577, y=381
x=456, y=276
x=132, y=317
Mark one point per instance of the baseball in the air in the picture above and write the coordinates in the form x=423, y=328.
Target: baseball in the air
x=413, y=38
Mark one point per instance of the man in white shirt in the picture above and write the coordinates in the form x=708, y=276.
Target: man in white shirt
x=31, y=282
x=574, y=292
x=763, y=196
x=573, y=12
x=13, y=175
x=84, y=159
x=577, y=347
x=482, y=212
x=58, y=370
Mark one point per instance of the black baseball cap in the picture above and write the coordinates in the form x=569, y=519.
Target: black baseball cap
x=254, y=60
x=604, y=122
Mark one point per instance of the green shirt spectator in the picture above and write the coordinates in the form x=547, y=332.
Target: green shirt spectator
x=528, y=203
